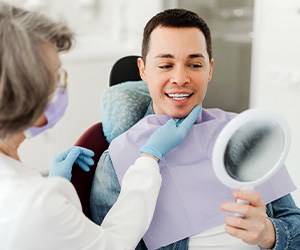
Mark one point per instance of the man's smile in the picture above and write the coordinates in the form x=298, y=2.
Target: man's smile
x=179, y=96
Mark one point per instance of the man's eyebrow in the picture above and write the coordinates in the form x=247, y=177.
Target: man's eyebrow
x=164, y=56
x=196, y=55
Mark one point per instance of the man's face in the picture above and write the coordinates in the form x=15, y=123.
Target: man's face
x=177, y=70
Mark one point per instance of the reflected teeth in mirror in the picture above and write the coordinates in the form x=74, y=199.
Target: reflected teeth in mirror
x=178, y=96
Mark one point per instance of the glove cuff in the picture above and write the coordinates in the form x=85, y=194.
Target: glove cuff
x=58, y=171
x=152, y=151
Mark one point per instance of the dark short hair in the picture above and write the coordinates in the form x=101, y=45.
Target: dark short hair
x=177, y=18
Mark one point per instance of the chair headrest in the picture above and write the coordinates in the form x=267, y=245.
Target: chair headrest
x=125, y=69
x=122, y=106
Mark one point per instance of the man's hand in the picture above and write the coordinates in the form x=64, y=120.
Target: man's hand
x=254, y=227
x=170, y=135
x=63, y=163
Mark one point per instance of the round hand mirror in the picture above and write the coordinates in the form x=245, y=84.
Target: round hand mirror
x=250, y=148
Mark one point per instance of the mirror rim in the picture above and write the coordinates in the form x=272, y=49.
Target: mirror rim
x=231, y=127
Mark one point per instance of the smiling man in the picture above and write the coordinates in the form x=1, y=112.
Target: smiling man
x=177, y=66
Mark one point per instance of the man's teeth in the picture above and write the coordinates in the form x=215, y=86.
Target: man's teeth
x=178, y=96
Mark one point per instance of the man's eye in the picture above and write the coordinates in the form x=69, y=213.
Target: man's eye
x=195, y=65
x=165, y=66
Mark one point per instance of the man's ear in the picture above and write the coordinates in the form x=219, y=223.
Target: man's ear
x=41, y=121
x=142, y=69
x=212, y=63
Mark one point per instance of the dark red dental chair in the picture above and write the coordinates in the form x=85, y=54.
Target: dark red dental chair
x=125, y=69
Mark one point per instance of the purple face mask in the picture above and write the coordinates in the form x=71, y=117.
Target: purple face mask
x=53, y=113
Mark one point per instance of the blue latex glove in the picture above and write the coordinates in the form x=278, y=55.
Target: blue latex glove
x=170, y=135
x=63, y=163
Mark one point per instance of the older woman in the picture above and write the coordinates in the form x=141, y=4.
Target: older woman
x=45, y=213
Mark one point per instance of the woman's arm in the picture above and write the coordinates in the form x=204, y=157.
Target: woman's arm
x=52, y=217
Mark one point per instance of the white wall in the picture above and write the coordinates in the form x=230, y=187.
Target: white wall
x=275, y=79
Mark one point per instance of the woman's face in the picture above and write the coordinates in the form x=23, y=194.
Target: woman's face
x=51, y=56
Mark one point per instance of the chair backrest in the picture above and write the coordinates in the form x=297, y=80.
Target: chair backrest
x=94, y=139
x=125, y=69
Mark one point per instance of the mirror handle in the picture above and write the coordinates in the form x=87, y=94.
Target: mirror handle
x=241, y=202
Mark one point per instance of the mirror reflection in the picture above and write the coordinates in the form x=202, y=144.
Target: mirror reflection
x=253, y=150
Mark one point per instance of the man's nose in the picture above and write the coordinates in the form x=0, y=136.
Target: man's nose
x=180, y=76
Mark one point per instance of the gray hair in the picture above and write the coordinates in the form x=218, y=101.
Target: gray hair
x=26, y=82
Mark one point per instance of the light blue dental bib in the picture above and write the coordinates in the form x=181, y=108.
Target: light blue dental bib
x=190, y=196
